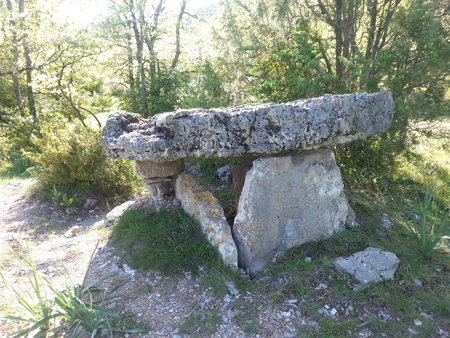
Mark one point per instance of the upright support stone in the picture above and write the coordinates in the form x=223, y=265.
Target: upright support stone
x=200, y=203
x=158, y=177
x=287, y=201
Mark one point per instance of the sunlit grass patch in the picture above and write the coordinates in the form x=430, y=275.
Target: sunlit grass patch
x=167, y=241
x=16, y=168
x=431, y=164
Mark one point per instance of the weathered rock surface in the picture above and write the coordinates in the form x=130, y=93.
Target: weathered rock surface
x=252, y=129
x=287, y=201
x=150, y=169
x=369, y=266
x=200, y=203
x=159, y=177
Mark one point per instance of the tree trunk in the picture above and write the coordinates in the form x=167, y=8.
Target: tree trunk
x=2, y=113
x=131, y=80
x=339, y=39
x=150, y=39
x=15, y=52
x=169, y=83
x=28, y=63
x=372, y=8
x=139, y=57
x=30, y=92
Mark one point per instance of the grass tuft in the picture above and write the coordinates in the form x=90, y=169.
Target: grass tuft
x=46, y=308
x=431, y=227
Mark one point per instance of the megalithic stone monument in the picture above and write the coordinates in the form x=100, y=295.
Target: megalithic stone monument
x=292, y=194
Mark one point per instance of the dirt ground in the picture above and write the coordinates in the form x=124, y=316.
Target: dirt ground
x=175, y=307
x=170, y=306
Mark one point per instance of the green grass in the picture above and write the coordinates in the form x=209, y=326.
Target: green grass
x=401, y=298
x=167, y=241
x=226, y=197
x=16, y=168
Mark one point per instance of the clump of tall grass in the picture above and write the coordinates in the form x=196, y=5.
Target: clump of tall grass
x=45, y=308
x=431, y=229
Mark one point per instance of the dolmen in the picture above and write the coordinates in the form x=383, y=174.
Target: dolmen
x=291, y=190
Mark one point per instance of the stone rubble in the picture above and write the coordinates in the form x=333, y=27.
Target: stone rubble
x=72, y=232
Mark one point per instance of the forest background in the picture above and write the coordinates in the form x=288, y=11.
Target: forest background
x=59, y=77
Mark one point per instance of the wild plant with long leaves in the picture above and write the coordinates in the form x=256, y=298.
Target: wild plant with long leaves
x=35, y=306
x=74, y=305
x=431, y=229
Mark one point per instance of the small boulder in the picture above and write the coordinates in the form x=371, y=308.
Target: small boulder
x=73, y=231
x=372, y=265
x=89, y=203
x=224, y=173
x=386, y=222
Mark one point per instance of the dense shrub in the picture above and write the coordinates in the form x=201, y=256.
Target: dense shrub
x=15, y=132
x=70, y=156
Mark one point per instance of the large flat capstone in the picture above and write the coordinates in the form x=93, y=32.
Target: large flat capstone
x=287, y=201
x=252, y=129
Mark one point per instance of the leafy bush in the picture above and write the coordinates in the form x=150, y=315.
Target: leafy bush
x=71, y=157
x=15, y=132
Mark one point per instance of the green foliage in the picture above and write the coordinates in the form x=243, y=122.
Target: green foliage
x=158, y=102
x=290, y=69
x=286, y=51
x=70, y=156
x=227, y=199
x=432, y=227
x=15, y=132
x=170, y=242
x=205, y=88
x=35, y=305
x=62, y=198
x=17, y=166
x=75, y=304
x=129, y=100
x=209, y=166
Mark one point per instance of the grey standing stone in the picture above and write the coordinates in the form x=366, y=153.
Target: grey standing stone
x=287, y=201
